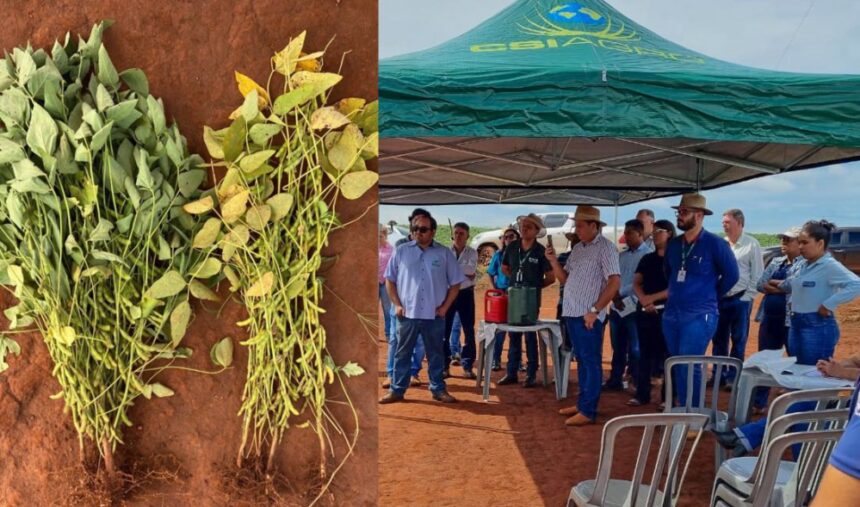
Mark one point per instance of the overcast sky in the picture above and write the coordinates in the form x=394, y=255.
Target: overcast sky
x=796, y=35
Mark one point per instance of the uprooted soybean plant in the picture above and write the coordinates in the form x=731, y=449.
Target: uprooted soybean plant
x=288, y=161
x=94, y=242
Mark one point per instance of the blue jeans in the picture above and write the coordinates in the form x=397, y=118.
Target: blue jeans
x=588, y=349
x=811, y=337
x=454, y=339
x=515, y=352
x=433, y=332
x=687, y=335
x=625, y=347
x=498, y=344
x=464, y=308
x=386, y=309
x=417, y=354
x=734, y=323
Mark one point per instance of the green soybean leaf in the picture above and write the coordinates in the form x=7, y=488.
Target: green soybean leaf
x=25, y=66
x=260, y=133
x=221, y=353
x=261, y=287
x=124, y=114
x=15, y=209
x=173, y=152
x=351, y=369
x=100, y=138
x=179, y=319
x=107, y=72
x=170, y=284
x=201, y=291
x=252, y=162
x=281, y=205
x=234, y=139
x=249, y=108
x=103, y=98
x=26, y=169
x=207, y=234
x=189, y=181
x=161, y=391
x=106, y=256
x=42, y=134
x=102, y=231
x=156, y=114
x=144, y=175
x=164, y=252
x=136, y=81
x=213, y=143
x=355, y=184
x=32, y=185
x=206, y=269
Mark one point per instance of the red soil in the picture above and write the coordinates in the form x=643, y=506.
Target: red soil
x=515, y=449
x=189, y=51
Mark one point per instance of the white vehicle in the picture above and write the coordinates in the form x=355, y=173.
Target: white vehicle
x=557, y=224
x=396, y=233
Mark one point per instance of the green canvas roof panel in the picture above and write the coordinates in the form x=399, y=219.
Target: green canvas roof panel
x=549, y=96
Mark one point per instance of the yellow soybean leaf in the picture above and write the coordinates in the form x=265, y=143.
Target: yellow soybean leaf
x=310, y=62
x=285, y=59
x=371, y=146
x=161, y=390
x=261, y=287
x=354, y=185
x=207, y=234
x=199, y=206
x=319, y=82
x=179, y=319
x=66, y=335
x=350, y=105
x=213, y=143
x=258, y=216
x=170, y=284
x=246, y=85
x=281, y=205
x=201, y=291
x=352, y=369
x=345, y=151
x=238, y=236
x=234, y=207
x=328, y=118
x=235, y=282
x=252, y=162
x=206, y=269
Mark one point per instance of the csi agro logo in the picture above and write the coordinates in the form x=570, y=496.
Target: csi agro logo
x=572, y=24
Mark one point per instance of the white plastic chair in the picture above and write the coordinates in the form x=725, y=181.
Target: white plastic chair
x=777, y=482
x=739, y=473
x=665, y=483
x=718, y=419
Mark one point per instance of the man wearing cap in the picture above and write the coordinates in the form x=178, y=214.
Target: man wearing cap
x=736, y=306
x=594, y=278
x=422, y=279
x=525, y=263
x=772, y=316
x=464, y=305
x=701, y=269
x=622, y=318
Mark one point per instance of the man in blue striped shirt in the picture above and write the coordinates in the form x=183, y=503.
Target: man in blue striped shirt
x=701, y=269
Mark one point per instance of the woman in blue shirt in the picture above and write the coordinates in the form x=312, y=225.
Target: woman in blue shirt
x=502, y=282
x=817, y=288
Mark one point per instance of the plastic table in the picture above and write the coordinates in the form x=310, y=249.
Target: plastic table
x=549, y=332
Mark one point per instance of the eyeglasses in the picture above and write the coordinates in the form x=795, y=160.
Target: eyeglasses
x=422, y=230
x=658, y=231
x=684, y=211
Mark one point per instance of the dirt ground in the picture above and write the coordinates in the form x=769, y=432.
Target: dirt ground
x=182, y=449
x=515, y=449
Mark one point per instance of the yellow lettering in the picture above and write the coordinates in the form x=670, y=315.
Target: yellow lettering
x=577, y=40
x=480, y=48
x=615, y=46
x=551, y=43
x=653, y=52
x=528, y=44
x=686, y=58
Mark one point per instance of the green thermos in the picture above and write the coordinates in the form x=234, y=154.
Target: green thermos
x=522, y=303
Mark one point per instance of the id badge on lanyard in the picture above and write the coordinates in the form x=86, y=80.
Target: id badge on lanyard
x=682, y=275
x=685, y=252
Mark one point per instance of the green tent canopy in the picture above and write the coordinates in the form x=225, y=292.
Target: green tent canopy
x=553, y=102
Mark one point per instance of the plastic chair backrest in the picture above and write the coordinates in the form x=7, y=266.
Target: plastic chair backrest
x=719, y=363
x=668, y=454
x=807, y=472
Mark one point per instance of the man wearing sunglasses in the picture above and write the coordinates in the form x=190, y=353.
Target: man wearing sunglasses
x=701, y=269
x=422, y=279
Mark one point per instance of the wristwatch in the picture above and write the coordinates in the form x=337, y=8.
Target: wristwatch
x=593, y=309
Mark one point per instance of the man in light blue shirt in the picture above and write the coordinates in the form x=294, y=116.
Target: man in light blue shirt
x=622, y=329
x=422, y=279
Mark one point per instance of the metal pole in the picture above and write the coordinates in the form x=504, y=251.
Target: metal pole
x=615, y=226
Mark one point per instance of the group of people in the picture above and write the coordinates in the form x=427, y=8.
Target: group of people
x=668, y=292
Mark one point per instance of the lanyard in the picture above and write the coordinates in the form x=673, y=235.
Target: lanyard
x=522, y=261
x=685, y=252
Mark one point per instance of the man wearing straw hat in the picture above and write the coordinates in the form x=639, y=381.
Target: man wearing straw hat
x=701, y=269
x=594, y=275
x=525, y=262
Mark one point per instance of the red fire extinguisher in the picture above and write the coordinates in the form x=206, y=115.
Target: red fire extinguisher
x=496, y=306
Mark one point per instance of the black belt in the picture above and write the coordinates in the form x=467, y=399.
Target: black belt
x=733, y=296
